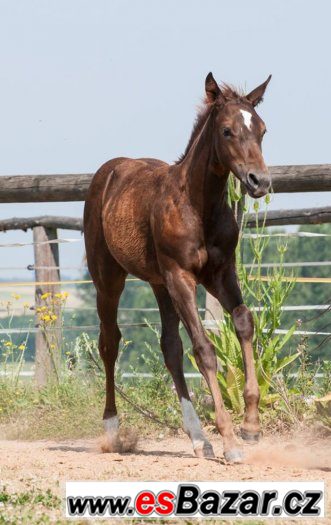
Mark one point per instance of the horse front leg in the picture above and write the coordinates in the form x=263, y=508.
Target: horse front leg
x=243, y=322
x=224, y=286
x=181, y=286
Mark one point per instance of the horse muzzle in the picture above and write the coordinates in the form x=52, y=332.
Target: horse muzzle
x=257, y=183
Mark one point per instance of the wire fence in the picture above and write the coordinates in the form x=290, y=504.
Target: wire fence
x=210, y=324
x=32, y=267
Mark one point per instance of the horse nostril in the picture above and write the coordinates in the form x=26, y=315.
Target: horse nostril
x=253, y=181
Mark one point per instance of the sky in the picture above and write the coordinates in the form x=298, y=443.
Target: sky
x=82, y=82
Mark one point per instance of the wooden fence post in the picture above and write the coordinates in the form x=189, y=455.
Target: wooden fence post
x=48, y=338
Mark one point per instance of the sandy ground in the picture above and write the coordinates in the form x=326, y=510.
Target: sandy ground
x=48, y=464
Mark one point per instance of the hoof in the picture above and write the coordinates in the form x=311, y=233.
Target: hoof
x=204, y=452
x=250, y=437
x=234, y=455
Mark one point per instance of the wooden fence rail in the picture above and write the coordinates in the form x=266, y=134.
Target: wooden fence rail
x=47, y=221
x=274, y=218
x=73, y=187
x=285, y=217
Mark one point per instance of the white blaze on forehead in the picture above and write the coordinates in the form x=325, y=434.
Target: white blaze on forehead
x=247, y=116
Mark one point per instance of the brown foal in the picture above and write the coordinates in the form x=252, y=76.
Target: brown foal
x=171, y=225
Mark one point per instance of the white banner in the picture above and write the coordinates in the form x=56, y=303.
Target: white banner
x=203, y=499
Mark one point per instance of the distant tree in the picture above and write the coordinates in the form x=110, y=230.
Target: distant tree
x=138, y=295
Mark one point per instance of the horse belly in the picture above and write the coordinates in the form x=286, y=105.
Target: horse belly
x=129, y=238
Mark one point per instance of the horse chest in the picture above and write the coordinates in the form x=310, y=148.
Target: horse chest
x=221, y=245
x=218, y=256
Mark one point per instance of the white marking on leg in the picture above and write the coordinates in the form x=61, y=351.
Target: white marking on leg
x=111, y=425
x=192, y=424
x=247, y=116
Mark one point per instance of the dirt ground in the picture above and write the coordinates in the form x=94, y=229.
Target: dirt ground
x=48, y=464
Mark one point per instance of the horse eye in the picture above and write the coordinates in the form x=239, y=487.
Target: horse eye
x=227, y=132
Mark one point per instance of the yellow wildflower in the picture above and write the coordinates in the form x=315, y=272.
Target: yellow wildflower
x=8, y=343
x=21, y=347
x=52, y=346
x=54, y=317
x=46, y=317
x=15, y=296
x=65, y=295
x=43, y=308
x=45, y=295
x=26, y=305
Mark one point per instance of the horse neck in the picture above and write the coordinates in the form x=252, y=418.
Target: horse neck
x=202, y=174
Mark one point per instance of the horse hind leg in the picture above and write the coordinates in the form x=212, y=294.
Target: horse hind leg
x=108, y=349
x=108, y=296
x=172, y=349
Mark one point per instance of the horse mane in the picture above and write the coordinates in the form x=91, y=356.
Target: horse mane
x=229, y=93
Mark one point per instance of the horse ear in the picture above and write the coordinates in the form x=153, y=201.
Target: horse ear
x=256, y=96
x=212, y=89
